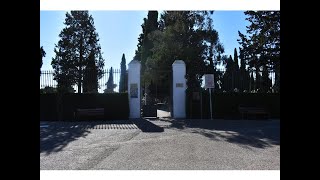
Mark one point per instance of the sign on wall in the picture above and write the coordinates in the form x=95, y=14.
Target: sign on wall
x=208, y=81
x=134, y=90
x=179, y=84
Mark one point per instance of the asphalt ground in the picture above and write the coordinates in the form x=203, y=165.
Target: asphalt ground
x=161, y=144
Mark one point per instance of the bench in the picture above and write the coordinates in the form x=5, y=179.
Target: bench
x=246, y=110
x=89, y=112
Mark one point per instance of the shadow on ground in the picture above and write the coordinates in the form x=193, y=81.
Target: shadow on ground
x=54, y=136
x=147, y=126
x=248, y=133
x=54, y=140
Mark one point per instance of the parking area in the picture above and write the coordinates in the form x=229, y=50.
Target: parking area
x=180, y=145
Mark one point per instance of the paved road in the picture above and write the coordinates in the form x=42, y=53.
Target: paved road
x=182, y=145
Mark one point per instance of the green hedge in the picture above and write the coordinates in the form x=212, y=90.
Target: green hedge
x=225, y=105
x=116, y=105
x=48, y=107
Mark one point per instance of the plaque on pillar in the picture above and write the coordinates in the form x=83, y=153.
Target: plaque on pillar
x=179, y=84
x=134, y=90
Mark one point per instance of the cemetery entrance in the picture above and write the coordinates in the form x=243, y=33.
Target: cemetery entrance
x=156, y=93
x=161, y=90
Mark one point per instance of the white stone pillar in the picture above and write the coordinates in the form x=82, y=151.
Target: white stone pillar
x=134, y=68
x=179, y=89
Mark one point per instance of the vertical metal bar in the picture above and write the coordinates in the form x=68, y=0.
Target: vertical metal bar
x=40, y=79
x=201, y=102
x=51, y=79
x=210, y=103
x=46, y=79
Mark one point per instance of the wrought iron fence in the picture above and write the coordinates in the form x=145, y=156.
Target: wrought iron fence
x=251, y=81
x=248, y=81
x=47, y=80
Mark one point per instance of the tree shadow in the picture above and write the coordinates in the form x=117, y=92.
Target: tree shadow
x=247, y=133
x=54, y=136
x=146, y=126
x=55, y=139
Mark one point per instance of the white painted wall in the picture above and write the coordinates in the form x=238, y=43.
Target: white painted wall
x=179, y=89
x=134, y=68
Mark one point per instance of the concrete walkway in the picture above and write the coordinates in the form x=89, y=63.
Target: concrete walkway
x=163, y=114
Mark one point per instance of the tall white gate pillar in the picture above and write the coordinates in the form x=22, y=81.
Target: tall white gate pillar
x=179, y=87
x=134, y=68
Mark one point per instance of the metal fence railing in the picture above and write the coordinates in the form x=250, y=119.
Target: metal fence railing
x=248, y=81
x=47, y=80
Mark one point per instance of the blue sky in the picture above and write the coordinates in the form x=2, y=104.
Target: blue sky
x=119, y=31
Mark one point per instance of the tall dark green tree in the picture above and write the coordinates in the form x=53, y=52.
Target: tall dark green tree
x=236, y=60
x=145, y=45
x=262, y=39
x=185, y=35
x=237, y=82
x=110, y=83
x=78, y=40
x=244, y=77
x=213, y=54
x=123, y=71
x=229, y=75
x=90, y=77
x=266, y=82
x=42, y=54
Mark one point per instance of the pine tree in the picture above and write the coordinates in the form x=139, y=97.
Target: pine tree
x=90, y=77
x=145, y=44
x=215, y=49
x=185, y=35
x=262, y=39
x=77, y=41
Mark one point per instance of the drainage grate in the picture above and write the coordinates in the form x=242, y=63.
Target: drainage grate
x=86, y=125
